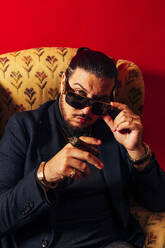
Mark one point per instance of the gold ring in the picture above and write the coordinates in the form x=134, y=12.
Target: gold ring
x=72, y=173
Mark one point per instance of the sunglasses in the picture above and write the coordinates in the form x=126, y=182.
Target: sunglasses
x=79, y=102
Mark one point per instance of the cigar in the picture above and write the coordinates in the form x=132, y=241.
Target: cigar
x=76, y=142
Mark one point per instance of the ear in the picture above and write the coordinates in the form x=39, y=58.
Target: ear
x=62, y=86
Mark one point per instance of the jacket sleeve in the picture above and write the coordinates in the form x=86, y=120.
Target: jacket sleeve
x=21, y=197
x=148, y=186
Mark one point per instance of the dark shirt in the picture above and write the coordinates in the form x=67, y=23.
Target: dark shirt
x=84, y=213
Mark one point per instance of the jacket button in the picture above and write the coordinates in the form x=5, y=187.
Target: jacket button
x=44, y=243
x=27, y=208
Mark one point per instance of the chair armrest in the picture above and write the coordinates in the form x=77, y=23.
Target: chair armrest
x=153, y=223
x=155, y=229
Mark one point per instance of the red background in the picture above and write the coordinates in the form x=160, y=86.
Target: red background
x=132, y=30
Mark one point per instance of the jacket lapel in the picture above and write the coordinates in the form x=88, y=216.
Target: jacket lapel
x=50, y=140
x=110, y=156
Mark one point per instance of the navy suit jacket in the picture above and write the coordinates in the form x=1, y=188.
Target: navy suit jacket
x=27, y=211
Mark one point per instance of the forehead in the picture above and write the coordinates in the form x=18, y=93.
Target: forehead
x=88, y=81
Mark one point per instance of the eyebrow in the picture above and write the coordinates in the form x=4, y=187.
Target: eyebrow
x=81, y=87
x=95, y=96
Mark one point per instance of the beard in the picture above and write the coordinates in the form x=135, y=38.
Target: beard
x=70, y=129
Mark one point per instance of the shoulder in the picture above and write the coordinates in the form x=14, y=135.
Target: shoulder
x=32, y=115
x=27, y=121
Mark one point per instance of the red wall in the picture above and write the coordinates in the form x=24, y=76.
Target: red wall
x=127, y=29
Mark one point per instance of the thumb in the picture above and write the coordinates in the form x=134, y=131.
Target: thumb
x=109, y=121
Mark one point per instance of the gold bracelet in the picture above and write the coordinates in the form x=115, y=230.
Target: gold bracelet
x=147, y=156
x=42, y=179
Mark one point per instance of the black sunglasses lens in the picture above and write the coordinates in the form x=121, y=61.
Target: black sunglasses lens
x=99, y=108
x=76, y=101
x=79, y=102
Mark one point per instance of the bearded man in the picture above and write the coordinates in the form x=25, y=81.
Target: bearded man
x=67, y=168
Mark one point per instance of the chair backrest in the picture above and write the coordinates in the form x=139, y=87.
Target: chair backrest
x=30, y=77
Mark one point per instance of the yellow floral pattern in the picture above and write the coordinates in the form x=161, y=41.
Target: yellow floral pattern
x=28, y=78
x=153, y=224
x=4, y=65
x=31, y=77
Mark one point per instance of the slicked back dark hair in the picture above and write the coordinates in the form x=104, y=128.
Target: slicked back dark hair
x=94, y=62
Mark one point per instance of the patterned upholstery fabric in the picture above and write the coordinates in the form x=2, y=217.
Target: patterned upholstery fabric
x=31, y=77
x=28, y=78
x=153, y=224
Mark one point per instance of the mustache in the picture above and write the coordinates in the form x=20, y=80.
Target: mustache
x=83, y=116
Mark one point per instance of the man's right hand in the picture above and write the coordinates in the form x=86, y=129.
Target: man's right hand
x=71, y=159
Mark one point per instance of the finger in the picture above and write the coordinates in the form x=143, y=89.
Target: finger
x=126, y=125
x=126, y=116
x=128, y=113
x=76, y=168
x=109, y=121
x=119, y=105
x=91, y=140
x=79, y=174
x=86, y=172
x=90, y=148
x=123, y=119
x=87, y=156
x=76, y=142
x=78, y=164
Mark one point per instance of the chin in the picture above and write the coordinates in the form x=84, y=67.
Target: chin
x=79, y=125
x=82, y=124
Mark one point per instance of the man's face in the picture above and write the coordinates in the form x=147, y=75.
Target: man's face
x=86, y=84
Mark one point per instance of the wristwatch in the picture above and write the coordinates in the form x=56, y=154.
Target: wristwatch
x=146, y=157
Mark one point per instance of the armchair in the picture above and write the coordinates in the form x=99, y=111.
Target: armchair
x=28, y=78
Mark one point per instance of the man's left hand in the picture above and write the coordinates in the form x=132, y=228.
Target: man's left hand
x=126, y=127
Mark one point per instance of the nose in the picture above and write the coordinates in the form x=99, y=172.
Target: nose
x=87, y=110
